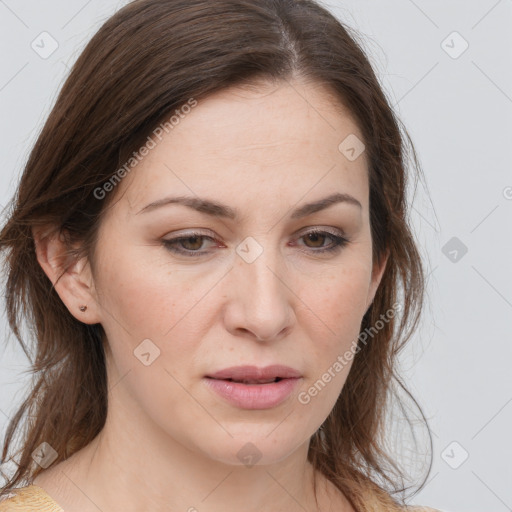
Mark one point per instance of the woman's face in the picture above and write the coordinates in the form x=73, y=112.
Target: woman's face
x=234, y=275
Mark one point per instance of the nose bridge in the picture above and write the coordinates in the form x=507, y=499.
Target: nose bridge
x=258, y=263
x=262, y=295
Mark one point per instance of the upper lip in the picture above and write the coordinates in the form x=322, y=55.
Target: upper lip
x=256, y=373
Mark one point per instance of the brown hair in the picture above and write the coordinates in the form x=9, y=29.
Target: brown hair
x=147, y=60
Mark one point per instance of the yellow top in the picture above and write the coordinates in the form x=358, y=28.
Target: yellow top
x=33, y=498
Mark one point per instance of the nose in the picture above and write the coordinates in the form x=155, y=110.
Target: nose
x=260, y=299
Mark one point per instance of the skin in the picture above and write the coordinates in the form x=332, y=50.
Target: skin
x=169, y=442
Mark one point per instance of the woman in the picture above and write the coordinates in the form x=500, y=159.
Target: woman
x=210, y=242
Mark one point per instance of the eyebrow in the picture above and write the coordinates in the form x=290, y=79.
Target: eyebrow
x=216, y=209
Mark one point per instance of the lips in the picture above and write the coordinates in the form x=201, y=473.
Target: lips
x=250, y=387
x=255, y=375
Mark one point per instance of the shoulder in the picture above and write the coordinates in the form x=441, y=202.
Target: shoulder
x=31, y=498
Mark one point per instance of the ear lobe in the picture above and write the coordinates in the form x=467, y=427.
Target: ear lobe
x=71, y=277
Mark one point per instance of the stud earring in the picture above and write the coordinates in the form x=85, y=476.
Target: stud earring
x=83, y=308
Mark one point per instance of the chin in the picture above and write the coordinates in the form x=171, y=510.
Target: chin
x=257, y=446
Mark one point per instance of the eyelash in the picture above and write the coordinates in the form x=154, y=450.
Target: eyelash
x=171, y=244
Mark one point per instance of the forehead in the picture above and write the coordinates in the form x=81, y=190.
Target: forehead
x=276, y=138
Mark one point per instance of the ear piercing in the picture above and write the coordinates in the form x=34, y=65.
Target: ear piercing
x=83, y=308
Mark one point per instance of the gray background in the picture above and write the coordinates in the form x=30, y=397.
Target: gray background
x=458, y=109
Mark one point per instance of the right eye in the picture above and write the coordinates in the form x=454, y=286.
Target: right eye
x=188, y=245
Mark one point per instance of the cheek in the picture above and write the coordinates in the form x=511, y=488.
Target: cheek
x=336, y=311
x=147, y=296
x=341, y=301
x=333, y=325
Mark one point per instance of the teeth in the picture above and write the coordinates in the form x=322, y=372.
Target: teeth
x=256, y=381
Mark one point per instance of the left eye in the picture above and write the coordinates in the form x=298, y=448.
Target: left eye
x=191, y=244
x=317, y=235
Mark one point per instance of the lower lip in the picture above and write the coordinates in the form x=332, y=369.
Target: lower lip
x=254, y=396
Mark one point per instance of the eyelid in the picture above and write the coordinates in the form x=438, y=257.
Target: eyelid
x=336, y=232
x=321, y=229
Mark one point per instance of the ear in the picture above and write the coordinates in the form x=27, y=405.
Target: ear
x=377, y=272
x=71, y=277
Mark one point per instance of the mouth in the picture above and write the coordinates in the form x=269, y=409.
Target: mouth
x=250, y=381
x=256, y=375
x=250, y=387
